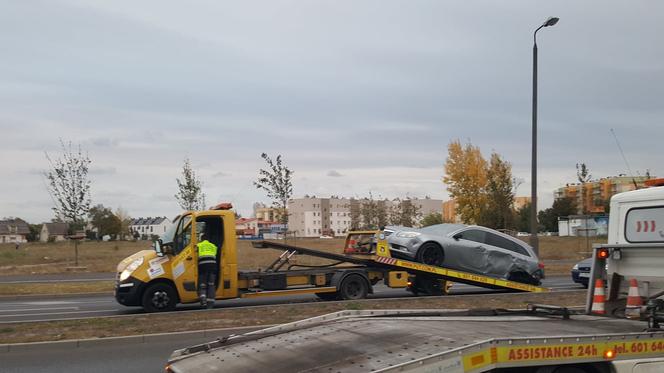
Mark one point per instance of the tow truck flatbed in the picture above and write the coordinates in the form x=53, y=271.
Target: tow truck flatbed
x=405, y=340
x=383, y=260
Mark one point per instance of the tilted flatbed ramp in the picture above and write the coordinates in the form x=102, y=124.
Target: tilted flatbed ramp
x=383, y=260
x=420, y=340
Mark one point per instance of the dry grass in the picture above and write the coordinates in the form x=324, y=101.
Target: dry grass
x=225, y=318
x=57, y=288
x=41, y=258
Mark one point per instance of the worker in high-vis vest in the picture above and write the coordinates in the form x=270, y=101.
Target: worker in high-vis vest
x=207, y=271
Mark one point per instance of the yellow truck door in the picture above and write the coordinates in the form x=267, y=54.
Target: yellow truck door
x=185, y=261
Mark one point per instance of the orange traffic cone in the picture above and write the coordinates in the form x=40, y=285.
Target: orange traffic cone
x=598, y=298
x=634, y=301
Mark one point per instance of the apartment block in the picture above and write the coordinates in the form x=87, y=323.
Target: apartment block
x=313, y=217
x=591, y=197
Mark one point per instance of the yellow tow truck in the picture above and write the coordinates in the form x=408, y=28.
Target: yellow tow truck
x=161, y=278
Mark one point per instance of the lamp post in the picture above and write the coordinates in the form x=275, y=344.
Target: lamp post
x=534, y=240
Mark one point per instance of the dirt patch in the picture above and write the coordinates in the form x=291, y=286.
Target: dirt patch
x=256, y=316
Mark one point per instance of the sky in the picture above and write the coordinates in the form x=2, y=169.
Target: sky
x=357, y=96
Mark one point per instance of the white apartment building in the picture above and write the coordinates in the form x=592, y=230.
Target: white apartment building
x=315, y=217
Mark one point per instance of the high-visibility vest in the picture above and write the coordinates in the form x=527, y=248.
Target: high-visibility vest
x=207, y=252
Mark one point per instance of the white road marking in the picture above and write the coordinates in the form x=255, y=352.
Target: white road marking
x=47, y=313
x=39, y=309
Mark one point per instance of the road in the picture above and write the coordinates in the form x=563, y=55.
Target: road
x=107, y=358
x=73, y=307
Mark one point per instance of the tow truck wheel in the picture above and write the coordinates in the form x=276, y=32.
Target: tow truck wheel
x=431, y=253
x=353, y=287
x=159, y=297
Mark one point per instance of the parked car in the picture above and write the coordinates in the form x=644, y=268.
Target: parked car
x=468, y=248
x=581, y=272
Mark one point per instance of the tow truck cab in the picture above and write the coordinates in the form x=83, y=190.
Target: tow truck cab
x=160, y=278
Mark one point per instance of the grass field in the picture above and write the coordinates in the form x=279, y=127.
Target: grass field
x=39, y=258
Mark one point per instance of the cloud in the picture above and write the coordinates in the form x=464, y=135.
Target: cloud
x=103, y=170
x=334, y=173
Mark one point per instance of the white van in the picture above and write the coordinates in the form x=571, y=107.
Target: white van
x=636, y=243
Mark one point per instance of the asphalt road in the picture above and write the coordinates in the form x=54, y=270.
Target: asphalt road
x=72, y=307
x=108, y=358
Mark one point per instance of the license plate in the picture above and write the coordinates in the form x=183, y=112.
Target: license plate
x=586, y=275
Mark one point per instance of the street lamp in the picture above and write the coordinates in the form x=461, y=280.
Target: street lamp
x=534, y=240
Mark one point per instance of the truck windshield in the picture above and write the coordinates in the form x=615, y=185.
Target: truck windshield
x=167, y=237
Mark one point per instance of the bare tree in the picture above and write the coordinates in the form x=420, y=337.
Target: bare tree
x=404, y=213
x=190, y=194
x=69, y=187
x=68, y=184
x=276, y=181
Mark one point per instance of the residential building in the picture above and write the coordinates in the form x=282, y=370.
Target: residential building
x=14, y=231
x=592, y=197
x=268, y=213
x=54, y=232
x=314, y=217
x=256, y=227
x=144, y=228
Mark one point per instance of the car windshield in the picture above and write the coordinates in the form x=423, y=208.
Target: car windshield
x=167, y=237
x=442, y=229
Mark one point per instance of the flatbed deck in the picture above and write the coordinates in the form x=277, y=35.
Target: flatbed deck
x=354, y=341
x=383, y=260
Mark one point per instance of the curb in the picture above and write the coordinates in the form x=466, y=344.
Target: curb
x=110, y=341
x=43, y=296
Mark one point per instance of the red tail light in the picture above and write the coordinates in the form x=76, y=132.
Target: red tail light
x=603, y=253
x=540, y=265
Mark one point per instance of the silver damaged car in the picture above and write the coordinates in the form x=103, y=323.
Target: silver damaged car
x=468, y=248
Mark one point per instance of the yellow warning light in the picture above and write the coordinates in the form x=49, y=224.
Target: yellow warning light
x=609, y=354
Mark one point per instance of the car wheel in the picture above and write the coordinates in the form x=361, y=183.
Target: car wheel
x=431, y=253
x=159, y=297
x=353, y=287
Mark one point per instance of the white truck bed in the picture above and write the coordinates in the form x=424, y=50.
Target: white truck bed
x=359, y=341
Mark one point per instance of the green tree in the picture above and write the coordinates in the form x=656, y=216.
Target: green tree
x=523, y=218
x=432, y=219
x=373, y=213
x=498, y=212
x=466, y=178
x=583, y=175
x=190, y=194
x=105, y=221
x=548, y=218
x=404, y=213
x=276, y=181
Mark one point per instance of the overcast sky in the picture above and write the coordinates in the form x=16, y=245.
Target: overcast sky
x=358, y=96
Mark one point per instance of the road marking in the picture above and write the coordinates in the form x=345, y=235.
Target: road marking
x=55, y=281
x=39, y=309
x=47, y=313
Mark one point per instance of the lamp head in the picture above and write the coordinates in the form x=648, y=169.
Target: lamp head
x=551, y=21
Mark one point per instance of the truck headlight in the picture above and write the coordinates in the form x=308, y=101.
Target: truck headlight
x=408, y=234
x=130, y=269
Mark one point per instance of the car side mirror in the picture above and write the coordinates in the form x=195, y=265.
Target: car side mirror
x=458, y=236
x=158, y=247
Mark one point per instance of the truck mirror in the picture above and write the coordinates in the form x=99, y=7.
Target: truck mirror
x=158, y=247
